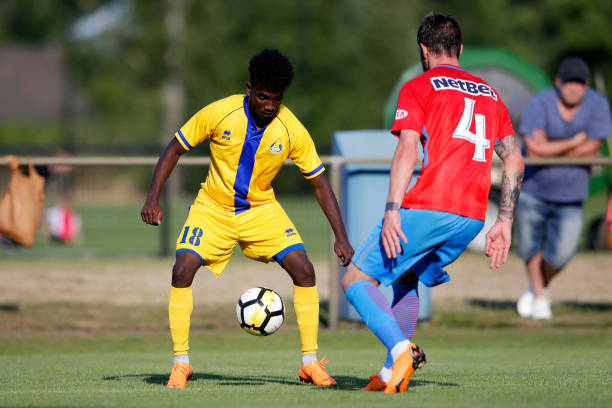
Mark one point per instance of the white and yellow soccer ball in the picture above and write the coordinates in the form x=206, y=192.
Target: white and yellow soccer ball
x=260, y=311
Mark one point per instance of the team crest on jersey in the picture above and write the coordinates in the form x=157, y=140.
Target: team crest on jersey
x=290, y=232
x=400, y=114
x=276, y=147
x=226, y=135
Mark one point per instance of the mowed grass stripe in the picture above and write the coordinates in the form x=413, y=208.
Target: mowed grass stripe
x=472, y=368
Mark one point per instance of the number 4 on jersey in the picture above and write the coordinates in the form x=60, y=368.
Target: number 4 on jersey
x=481, y=143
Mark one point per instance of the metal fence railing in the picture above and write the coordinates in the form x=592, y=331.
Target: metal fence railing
x=334, y=165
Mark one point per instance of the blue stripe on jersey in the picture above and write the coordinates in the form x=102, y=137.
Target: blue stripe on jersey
x=246, y=162
x=425, y=155
x=184, y=140
x=279, y=257
x=449, y=66
x=314, y=171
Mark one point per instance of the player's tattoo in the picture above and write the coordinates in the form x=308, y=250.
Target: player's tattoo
x=392, y=206
x=510, y=190
x=511, y=185
x=506, y=147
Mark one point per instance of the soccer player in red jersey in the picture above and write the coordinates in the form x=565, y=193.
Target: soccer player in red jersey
x=459, y=120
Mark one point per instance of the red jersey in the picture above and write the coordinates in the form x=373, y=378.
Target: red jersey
x=460, y=118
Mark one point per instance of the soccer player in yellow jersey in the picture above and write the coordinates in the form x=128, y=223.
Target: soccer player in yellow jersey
x=250, y=137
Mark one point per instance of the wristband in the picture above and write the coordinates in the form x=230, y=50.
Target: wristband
x=391, y=206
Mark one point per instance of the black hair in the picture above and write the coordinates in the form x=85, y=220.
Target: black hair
x=441, y=34
x=270, y=70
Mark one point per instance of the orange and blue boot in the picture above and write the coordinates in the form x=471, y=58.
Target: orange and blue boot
x=315, y=373
x=404, y=367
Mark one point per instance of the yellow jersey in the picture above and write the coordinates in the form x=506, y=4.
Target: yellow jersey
x=244, y=159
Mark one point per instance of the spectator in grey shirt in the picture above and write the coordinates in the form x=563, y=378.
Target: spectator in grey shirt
x=567, y=120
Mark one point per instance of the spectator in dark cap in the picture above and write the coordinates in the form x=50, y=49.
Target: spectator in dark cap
x=574, y=69
x=567, y=120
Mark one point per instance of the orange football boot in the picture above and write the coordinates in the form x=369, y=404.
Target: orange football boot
x=181, y=373
x=315, y=373
x=404, y=367
x=376, y=384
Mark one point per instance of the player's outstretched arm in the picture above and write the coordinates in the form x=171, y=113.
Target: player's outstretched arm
x=152, y=212
x=499, y=237
x=329, y=204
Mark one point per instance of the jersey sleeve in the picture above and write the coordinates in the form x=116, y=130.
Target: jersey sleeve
x=303, y=152
x=600, y=126
x=534, y=116
x=409, y=114
x=198, y=128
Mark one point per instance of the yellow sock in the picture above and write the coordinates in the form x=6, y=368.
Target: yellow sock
x=180, y=306
x=306, y=304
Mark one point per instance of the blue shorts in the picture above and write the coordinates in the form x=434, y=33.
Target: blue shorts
x=552, y=228
x=435, y=239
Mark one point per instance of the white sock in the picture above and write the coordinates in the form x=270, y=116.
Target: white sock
x=385, y=374
x=399, y=348
x=181, y=358
x=308, y=358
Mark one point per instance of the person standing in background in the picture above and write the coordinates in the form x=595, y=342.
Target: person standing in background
x=566, y=120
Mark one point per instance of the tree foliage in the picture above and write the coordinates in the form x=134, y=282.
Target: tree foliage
x=347, y=53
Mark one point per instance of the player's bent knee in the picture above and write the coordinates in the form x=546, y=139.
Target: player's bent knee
x=354, y=274
x=299, y=267
x=349, y=277
x=184, y=270
x=304, y=275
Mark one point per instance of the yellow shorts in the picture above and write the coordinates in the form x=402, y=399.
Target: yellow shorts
x=211, y=231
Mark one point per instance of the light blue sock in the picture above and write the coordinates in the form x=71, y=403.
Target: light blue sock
x=375, y=311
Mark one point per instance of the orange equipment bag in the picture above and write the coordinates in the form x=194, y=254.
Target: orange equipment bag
x=21, y=206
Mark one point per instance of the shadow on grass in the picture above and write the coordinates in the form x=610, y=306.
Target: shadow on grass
x=585, y=306
x=493, y=304
x=345, y=383
x=9, y=307
x=511, y=305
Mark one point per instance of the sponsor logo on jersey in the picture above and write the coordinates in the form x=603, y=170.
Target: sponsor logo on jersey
x=276, y=147
x=290, y=232
x=400, y=114
x=442, y=83
x=226, y=135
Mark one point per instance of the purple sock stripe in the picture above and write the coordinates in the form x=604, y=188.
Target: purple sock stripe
x=379, y=298
x=406, y=313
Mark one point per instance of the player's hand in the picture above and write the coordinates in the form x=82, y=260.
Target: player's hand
x=344, y=250
x=152, y=212
x=391, y=234
x=499, y=238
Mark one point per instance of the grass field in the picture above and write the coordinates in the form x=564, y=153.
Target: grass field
x=549, y=367
x=94, y=333
x=86, y=325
